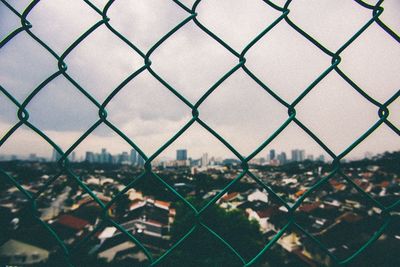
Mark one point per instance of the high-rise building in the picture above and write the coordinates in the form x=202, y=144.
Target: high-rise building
x=204, y=160
x=133, y=157
x=298, y=155
x=140, y=160
x=124, y=158
x=295, y=155
x=32, y=157
x=282, y=158
x=272, y=154
x=90, y=157
x=115, y=159
x=56, y=156
x=302, y=155
x=104, y=156
x=73, y=156
x=181, y=154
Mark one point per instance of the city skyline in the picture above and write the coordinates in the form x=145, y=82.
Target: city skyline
x=46, y=150
x=274, y=157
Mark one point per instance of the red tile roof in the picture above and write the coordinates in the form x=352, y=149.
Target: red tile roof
x=266, y=213
x=72, y=222
x=300, y=192
x=230, y=196
x=309, y=207
x=163, y=204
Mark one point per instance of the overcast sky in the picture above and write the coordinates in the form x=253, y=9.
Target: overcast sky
x=239, y=110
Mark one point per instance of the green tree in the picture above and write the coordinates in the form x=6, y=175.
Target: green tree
x=203, y=183
x=204, y=249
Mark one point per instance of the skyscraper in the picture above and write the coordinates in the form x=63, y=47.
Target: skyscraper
x=90, y=157
x=124, y=158
x=295, y=156
x=104, y=156
x=272, y=154
x=33, y=157
x=302, y=155
x=282, y=158
x=73, y=156
x=204, y=160
x=56, y=156
x=140, y=160
x=298, y=155
x=181, y=154
x=134, y=156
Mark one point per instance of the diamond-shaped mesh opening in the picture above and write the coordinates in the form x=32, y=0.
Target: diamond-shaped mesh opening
x=240, y=93
x=199, y=174
x=370, y=72
x=134, y=100
x=17, y=59
x=282, y=55
x=324, y=120
x=315, y=19
x=54, y=102
x=145, y=29
x=64, y=29
x=205, y=224
x=237, y=29
x=100, y=71
x=199, y=66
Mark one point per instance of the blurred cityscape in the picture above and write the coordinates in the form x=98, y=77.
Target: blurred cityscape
x=337, y=213
x=182, y=159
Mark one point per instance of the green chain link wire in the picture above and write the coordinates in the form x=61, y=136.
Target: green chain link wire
x=63, y=162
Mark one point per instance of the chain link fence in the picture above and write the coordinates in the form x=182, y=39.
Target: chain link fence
x=64, y=164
